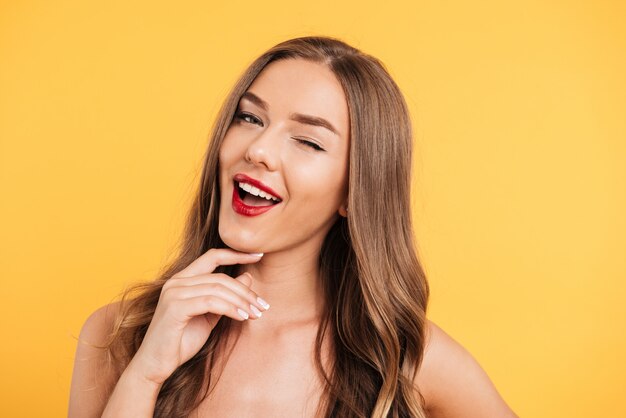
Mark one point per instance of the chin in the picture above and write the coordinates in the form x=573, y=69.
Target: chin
x=239, y=241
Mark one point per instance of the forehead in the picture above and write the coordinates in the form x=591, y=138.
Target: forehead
x=301, y=86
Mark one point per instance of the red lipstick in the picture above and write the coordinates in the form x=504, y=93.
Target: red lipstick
x=240, y=207
x=240, y=177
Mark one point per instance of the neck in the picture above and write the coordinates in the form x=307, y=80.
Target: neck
x=291, y=284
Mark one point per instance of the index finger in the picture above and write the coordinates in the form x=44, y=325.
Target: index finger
x=214, y=257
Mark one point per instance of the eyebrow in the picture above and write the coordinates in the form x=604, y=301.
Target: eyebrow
x=298, y=117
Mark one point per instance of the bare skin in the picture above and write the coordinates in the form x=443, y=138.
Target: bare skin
x=274, y=375
x=271, y=369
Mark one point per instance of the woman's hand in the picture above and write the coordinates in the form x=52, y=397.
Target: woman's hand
x=190, y=304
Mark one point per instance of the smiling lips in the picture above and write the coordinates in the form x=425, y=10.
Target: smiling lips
x=251, y=197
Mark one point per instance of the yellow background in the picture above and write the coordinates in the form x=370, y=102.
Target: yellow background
x=519, y=187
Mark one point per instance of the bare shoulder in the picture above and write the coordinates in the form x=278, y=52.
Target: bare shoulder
x=92, y=378
x=452, y=382
x=99, y=323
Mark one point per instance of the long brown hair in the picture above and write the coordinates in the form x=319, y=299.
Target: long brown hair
x=375, y=287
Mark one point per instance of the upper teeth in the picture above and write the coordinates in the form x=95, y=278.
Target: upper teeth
x=256, y=191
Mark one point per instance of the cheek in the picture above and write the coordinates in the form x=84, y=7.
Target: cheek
x=227, y=150
x=231, y=151
x=323, y=186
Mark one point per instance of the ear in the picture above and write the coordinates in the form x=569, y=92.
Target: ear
x=343, y=209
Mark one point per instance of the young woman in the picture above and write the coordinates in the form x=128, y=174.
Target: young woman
x=297, y=291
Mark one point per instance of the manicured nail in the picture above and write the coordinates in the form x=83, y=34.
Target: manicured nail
x=255, y=310
x=243, y=313
x=256, y=254
x=263, y=303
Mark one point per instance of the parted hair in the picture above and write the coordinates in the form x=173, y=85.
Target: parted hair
x=375, y=288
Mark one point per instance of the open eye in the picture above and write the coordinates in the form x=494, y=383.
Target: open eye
x=248, y=118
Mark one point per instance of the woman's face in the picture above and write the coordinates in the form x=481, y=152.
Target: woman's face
x=289, y=139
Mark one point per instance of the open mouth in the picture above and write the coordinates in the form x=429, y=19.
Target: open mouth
x=253, y=196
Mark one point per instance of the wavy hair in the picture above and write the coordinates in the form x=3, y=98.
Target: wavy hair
x=375, y=287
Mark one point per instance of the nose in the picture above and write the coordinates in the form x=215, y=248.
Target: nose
x=263, y=150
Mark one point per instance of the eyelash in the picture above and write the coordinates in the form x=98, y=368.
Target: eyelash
x=242, y=116
x=310, y=144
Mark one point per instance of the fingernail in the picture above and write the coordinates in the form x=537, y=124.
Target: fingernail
x=263, y=303
x=256, y=254
x=255, y=310
x=243, y=313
